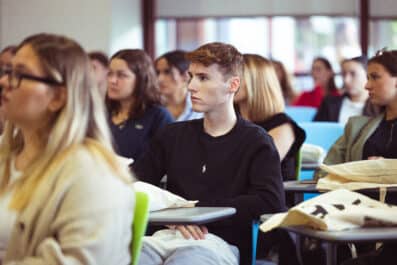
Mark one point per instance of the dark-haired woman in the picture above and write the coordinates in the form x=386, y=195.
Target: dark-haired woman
x=134, y=102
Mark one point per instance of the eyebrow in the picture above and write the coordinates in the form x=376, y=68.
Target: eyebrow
x=198, y=74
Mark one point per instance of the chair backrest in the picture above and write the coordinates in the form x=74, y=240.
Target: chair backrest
x=323, y=134
x=300, y=114
x=139, y=225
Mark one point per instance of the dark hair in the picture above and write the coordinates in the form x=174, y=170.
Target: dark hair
x=146, y=92
x=100, y=57
x=363, y=60
x=331, y=82
x=388, y=59
x=176, y=59
x=11, y=48
x=285, y=82
x=226, y=56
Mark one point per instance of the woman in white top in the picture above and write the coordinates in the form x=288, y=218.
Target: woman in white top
x=64, y=198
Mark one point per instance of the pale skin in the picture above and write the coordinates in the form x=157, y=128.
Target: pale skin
x=121, y=85
x=173, y=86
x=354, y=79
x=31, y=106
x=382, y=89
x=211, y=93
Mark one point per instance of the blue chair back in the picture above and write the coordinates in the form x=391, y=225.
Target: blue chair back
x=323, y=134
x=300, y=114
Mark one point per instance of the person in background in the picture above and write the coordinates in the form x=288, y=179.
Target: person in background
x=260, y=100
x=100, y=64
x=355, y=99
x=373, y=137
x=172, y=75
x=324, y=84
x=289, y=94
x=64, y=197
x=134, y=102
x=5, y=61
x=220, y=160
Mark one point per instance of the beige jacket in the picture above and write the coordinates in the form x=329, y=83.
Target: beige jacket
x=349, y=147
x=82, y=214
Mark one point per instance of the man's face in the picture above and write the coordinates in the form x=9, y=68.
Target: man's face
x=209, y=89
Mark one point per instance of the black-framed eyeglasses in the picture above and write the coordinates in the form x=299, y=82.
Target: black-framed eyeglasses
x=15, y=78
x=381, y=51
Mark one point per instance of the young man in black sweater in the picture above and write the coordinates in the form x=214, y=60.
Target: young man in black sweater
x=220, y=160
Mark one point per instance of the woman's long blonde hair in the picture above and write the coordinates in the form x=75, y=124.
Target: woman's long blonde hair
x=80, y=122
x=264, y=95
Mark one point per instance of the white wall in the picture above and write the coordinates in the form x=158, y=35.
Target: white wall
x=95, y=24
x=197, y=8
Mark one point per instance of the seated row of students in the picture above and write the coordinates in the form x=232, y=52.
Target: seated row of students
x=373, y=137
x=56, y=150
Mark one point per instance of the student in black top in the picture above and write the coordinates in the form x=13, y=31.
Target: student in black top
x=221, y=160
x=355, y=99
x=133, y=102
x=260, y=100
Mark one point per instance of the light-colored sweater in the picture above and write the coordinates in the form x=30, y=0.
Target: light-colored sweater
x=81, y=214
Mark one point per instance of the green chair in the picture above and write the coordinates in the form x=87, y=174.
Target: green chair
x=141, y=216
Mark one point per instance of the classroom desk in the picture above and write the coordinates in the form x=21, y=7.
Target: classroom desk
x=298, y=188
x=194, y=215
x=331, y=239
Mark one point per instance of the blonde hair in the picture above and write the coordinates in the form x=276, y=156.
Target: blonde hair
x=264, y=96
x=81, y=122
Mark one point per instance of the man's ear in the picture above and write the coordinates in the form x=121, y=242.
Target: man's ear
x=58, y=100
x=234, y=84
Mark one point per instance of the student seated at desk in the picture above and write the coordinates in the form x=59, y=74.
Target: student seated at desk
x=373, y=138
x=64, y=197
x=220, y=160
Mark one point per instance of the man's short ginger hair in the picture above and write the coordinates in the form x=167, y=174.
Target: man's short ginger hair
x=226, y=56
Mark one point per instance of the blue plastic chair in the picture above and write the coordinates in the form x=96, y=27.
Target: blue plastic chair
x=323, y=134
x=300, y=114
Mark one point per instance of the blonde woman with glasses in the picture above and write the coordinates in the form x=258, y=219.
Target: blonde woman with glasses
x=64, y=198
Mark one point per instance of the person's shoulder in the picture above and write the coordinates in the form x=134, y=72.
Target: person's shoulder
x=333, y=99
x=173, y=129
x=251, y=131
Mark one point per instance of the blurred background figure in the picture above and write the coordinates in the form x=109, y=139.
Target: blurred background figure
x=173, y=78
x=355, y=100
x=6, y=56
x=134, y=102
x=285, y=82
x=100, y=62
x=324, y=84
x=260, y=100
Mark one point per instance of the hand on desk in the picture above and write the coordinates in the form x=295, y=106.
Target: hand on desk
x=191, y=231
x=375, y=157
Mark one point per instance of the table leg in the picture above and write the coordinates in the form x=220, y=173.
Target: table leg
x=298, y=197
x=331, y=253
